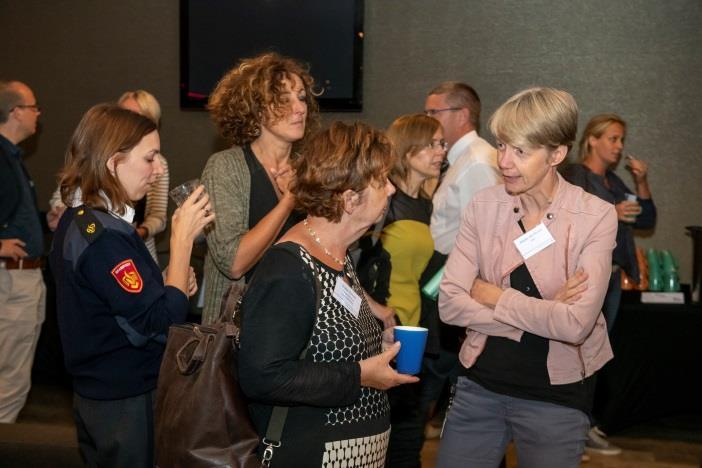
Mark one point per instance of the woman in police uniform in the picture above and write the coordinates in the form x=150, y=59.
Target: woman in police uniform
x=114, y=304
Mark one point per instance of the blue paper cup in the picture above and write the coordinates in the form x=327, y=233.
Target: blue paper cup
x=413, y=339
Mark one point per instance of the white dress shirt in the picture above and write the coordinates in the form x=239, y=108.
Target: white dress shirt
x=473, y=167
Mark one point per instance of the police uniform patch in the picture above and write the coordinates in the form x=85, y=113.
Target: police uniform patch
x=128, y=277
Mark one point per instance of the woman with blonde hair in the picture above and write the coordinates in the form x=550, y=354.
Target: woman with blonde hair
x=150, y=217
x=305, y=296
x=527, y=278
x=601, y=149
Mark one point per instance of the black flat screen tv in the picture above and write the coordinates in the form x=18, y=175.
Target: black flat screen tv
x=327, y=35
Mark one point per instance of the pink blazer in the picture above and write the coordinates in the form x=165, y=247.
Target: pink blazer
x=584, y=228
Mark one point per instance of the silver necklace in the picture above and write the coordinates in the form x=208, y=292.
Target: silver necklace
x=319, y=243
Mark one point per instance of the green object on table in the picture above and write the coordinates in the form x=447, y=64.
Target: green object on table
x=669, y=272
x=655, y=280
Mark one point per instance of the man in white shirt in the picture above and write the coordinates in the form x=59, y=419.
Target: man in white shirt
x=473, y=166
x=473, y=161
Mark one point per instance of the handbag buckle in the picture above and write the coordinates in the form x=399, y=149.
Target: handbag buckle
x=268, y=452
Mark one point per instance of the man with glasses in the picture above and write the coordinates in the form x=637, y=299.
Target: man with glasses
x=22, y=290
x=472, y=167
x=473, y=161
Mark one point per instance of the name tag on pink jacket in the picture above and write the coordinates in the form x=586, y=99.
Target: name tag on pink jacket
x=534, y=241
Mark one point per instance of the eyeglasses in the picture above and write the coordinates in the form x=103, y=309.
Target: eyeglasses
x=436, y=144
x=34, y=107
x=433, y=112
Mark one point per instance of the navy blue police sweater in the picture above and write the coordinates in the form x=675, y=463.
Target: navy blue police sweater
x=113, y=308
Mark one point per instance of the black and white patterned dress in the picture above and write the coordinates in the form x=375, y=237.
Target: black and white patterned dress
x=333, y=421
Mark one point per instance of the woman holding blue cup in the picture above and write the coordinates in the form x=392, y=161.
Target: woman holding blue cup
x=336, y=391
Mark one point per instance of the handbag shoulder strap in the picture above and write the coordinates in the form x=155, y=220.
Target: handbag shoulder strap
x=280, y=413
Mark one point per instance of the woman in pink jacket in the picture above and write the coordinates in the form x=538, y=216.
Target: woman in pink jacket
x=527, y=278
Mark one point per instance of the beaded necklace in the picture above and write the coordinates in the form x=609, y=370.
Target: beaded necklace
x=319, y=243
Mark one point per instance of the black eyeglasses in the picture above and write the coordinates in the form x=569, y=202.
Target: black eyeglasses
x=34, y=107
x=433, y=112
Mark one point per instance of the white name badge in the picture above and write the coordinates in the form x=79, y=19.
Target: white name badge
x=347, y=297
x=534, y=241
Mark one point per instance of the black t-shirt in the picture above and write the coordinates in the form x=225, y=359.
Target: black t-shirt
x=519, y=369
x=263, y=198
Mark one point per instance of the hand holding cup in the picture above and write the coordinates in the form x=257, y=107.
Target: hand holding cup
x=181, y=192
x=628, y=210
x=192, y=214
x=377, y=373
x=413, y=339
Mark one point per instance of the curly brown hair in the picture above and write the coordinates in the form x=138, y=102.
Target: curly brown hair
x=252, y=92
x=343, y=157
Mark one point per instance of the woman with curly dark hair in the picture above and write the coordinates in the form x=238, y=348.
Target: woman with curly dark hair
x=263, y=107
x=305, y=295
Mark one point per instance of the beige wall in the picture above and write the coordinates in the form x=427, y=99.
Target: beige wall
x=639, y=58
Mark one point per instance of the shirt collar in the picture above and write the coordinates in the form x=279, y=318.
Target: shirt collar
x=128, y=215
x=460, y=146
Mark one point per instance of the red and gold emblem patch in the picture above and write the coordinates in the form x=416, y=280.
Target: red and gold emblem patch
x=128, y=277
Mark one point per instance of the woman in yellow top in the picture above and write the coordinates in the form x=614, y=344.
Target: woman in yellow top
x=420, y=151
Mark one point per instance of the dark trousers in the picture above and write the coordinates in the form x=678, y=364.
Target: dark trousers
x=116, y=433
x=407, y=419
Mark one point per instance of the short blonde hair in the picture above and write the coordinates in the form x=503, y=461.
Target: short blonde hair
x=537, y=117
x=596, y=127
x=149, y=106
x=409, y=134
x=343, y=157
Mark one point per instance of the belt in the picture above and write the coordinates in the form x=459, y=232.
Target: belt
x=21, y=264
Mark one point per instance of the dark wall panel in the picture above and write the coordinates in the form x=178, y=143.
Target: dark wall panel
x=639, y=58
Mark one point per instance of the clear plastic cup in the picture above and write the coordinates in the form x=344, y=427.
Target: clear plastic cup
x=181, y=193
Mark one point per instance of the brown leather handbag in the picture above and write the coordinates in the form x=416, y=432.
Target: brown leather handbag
x=201, y=415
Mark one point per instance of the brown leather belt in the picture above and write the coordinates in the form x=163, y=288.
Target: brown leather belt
x=21, y=264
